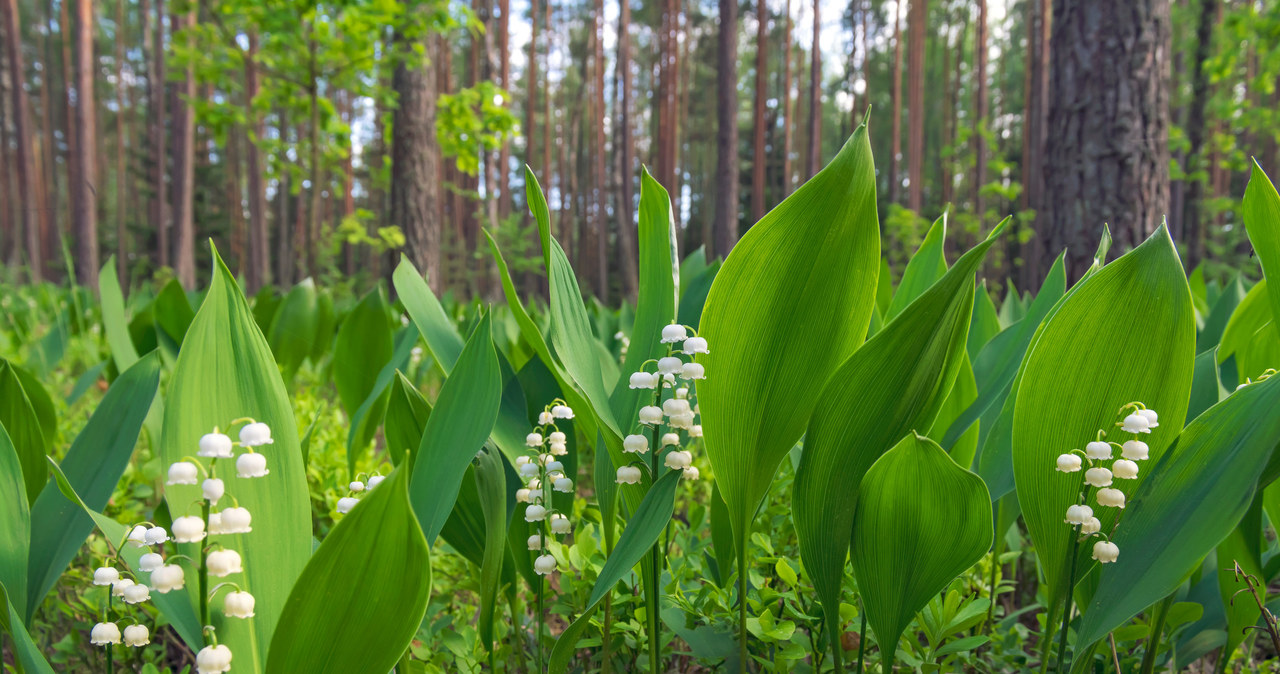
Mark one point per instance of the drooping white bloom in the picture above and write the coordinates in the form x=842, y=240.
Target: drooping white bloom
x=356, y=486
x=683, y=420
x=150, y=562
x=1078, y=514
x=553, y=466
x=375, y=480
x=557, y=437
x=1153, y=419
x=1091, y=526
x=167, y=578
x=251, y=464
x=213, y=660
x=238, y=605
x=1135, y=450
x=223, y=563
x=188, y=529
x=695, y=431
x=562, y=411
x=529, y=469
x=678, y=460
x=635, y=444
x=534, y=513
x=1098, y=450
x=137, y=636
x=156, y=536
x=1105, y=552
x=138, y=536
x=136, y=594
x=1098, y=477
x=118, y=588
x=544, y=565
x=535, y=542
x=559, y=449
x=1069, y=463
x=255, y=434
x=644, y=380
x=674, y=333
x=669, y=379
x=104, y=634
x=1125, y=469
x=236, y=521
x=695, y=345
x=533, y=440
x=215, y=524
x=522, y=496
x=535, y=485
x=345, y=504
x=523, y=459
x=1111, y=497
x=105, y=575
x=560, y=524
x=651, y=415
x=182, y=472
x=544, y=418
x=212, y=489
x=563, y=485
x=215, y=446
x=628, y=475
x=690, y=473
x=674, y=406
x=693, y=371
x=670, y=439
x=669, y=365
x=1135, y=423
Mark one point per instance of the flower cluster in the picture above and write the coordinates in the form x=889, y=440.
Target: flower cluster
x=355, y=489
x=1138, y=421
x=667, y=416
x=165, y=568
x=543, y=473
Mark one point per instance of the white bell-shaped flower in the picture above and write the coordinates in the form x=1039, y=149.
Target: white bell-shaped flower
x=1153, y=419
x=255, y=435
x=628, y=475
x=356, y=486
x=693, y=371
x=522, y=496
x=215, y=524
x=1098, y=450
x=643, y=380
x=683, y=421
x=213, y=660
x=651, y=415
x=1069, y=463
x=535, y=542
x=695, y=345
x=345, y=504
x=674, y=406
x=375, y=480
x=215, y=446
x=1113, y=498
x=534, y=513
x=690, y=473
x=1091, y=526
x=1135, y=423
x=635, y=444
x=1125, y=469
x=1135, y=450
x=104, y=634
x=156, y=536
x=150, y=562
x=669, y=365
x=670, y=439
x=236, y=521
x=1097, y=477
x=678, y=459
x=562, y=411
x=535, y=485
x=105, y=575
x=212, y=489
x=544, y=418
x=529, y=469
x=559, y=449
x=674, y=333
x=188, y=529
x=223, y=563
x=523, y=459
x=168, y=578
x=137, y=636
x=544, y=564
x=1078, y=514
x=183, y=472
x=554, y=466
x=560, y=524
x=682, y=392
x=695, y=431
x=138, y=536
x=118, y=588
x=136, y=594
x=251, y=464
x=563, y=485
x=557, y=437
x=533, y=440
x=1105, y=552
x=238, y=605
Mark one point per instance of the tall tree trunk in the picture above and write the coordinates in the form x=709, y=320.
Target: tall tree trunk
x=10, y=237
x=1108, y=152
x=600, y=190
x=1035, y=126
x=45, y=154
x=1191, y=227
x=235, y=198
x=157, y=138
x=504, y=73
x=895, y=182
x=312, y=231
x=948, y=124
x=84, y=192
x=184, y=168
x=259, y=271
x=815, y=95
x=531, y=96
x=53, y=241
x=122, y=151
x=916, y=22
x=627, y=237
x=415, y=164
x=667, y=75
x=284, y=229
x=980, y=109
x=788, y=122
x=22, y=132
x=758, y=160
x=725, y=227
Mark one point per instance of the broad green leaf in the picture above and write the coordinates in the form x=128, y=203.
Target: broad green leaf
x=963, y=392
x=491, y=485
x=15, y=523
x=923, y=269
x=1192, y=499
x=406, y=419
x=173, y=312
x=892, y=385
x=19, y=396
x=921, y=521
x=1222, y=311
x=93, y=466
x=788, y=306
x=326, y=320
x=363, y=349
x=462, y=419
x=293, y=328
x=721, y=535
x=1251, y=335
x=1206, y=388
x=28, y=653
x=424, y=309
x=1242, y=546
x=361, y=597
x=1199, y=294
x=985, y=323
x=884, y=288
x=113, y=321
x=226, y=371
x=1261, y=211
x=693, y=296
x=644, y=527
x=1084, y=364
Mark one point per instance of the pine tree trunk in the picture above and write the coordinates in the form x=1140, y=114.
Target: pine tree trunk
x=895, y=182
x=122, y=151
x=84, y=192
x=600, y=190
x=45, y=153
x=184, y=115
x=725, y=227
x=916, y=20
x=1192, y=227
x=157, y=138
x=758, y=161
x=815, y=95
x=948, y=124
x=504, y=74
x=788, y=122
x=22, y=132
x=259, y=271
x=10, y=237
x=284, y=230
x=627, y=236
x=415, y=164
x=980, y=109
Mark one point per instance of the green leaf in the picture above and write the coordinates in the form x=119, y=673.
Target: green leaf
x=491, y=485
x=1261, y=211
x=15, y=523
x=173, y=312
x=1084, y=364
x=226, y=371
x=363, y=359
x=961, y=645
x=961, y=396
x=463, y=416
x=93, y=466
x=721, y=535
x=19, y=396
x=27, y=651
x=424, y=309
x=406, y=419
x=923, y=269
x=894, y=383
x=1251, y=335
x=1216, y=323
x=693, y=296
x=361, y=597
x=113, y=321
x=985, y=323
x=645, y=526
x=921, y=521
x=790, y=304
x=293, y=328
x=1242, y=546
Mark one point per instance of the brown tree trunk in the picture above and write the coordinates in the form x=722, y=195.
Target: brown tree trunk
x=311, y=232
x=531, y=96
x=235, y=198
x=600, y=193
x=1108, y=152
x=122, y=151
x=415, y=164
x=895, y=182
x=504, y=74
x=980, y=109
x=815, y=95
x=184, y=116
x=1191, y=227
x=158, y=153
x=84, y=192
x=788, y=122
x=1035, y=126
x=284, y=229
x=758, y=160
x=916, y=21
x=22, y=132
x=627, y=237
x=45, y=154
x=10, y=237
x=725, y=226
x=53, y=241
x=259, y=271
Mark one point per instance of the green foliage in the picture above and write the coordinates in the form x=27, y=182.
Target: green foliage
x=473, y=120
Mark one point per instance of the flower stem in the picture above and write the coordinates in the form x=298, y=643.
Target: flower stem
x=742, y=605
x=1066, y=613
x=537, y=639
x=655, y=645
x=862, y=639
x=204, y=573
x=1153, y=641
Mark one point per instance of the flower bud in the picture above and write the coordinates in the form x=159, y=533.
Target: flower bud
x=534, y=513
x=1111, y=497
x=251, y=464
x=223, y=563
x=695, y=345
x=345, y=504
x=673, y=333
x=215, y=445
x=182, y=472
x=1069, y=463
x=213, y=660
x=1135, y=450
x=104, y=634
x=255, y=434
x=1105, y=552
x=238, y=605
x=562, y=412
x=188, y=530
x=635, y=444
x=167, y=578
x=356, y=486
x=212, y=489
x=1125, y=469
x=137, y=636
x=1098, y=477
x=1098, y=450
x=105, y=575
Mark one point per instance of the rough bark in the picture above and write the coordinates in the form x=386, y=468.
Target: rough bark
x=788, y=139
x=157, y=139
x=916, y=20
x=184, y=166
x=84, y=192
x=725, y=225
x=627, y=237
x=122, y=152
x=415, y=165
x=895, y=182
x=980, y=108
x=1107, y=155
x=599, y=171
x=22, y=132
x=259, y=271
x=758, y=160
x=1191, y=227
x=815, y=96
x=10, y=237
x=504, y=75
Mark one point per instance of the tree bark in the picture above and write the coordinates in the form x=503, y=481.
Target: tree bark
x=122, y=152
x=1191, y=227
x=815, y=95
x=788, y=123
x=84, y=192
x=725, y=225
x=10, y=237
x=157, y=139
x=184, y=167
x=916, y=22
x=980, y=109
x=415, y=164
x=600, y=190
x=22, y=133
x=1108, y=153
x=758, y=160
x=895, y=182
x=504, y=73
x=259, y=271
x=627, y=236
